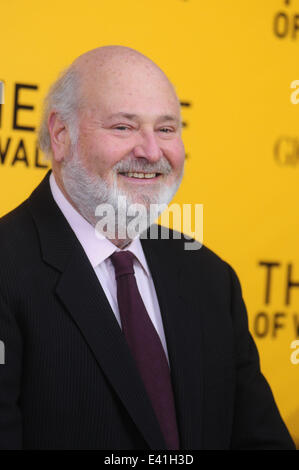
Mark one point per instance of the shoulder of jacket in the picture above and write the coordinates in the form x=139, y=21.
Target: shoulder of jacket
x=175, y=243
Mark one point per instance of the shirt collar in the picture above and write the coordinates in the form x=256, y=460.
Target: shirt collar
x=96, y=246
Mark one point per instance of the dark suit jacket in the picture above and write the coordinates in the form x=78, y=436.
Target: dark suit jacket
x=69, y=381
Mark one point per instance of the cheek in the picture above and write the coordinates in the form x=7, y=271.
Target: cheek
x=101, y=152
x=177, y=154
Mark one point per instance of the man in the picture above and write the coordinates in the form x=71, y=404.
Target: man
x=94, y=359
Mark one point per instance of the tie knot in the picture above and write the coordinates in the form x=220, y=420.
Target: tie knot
x=122, y=262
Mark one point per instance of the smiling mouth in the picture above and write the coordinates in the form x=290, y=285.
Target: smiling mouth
x=140, y=175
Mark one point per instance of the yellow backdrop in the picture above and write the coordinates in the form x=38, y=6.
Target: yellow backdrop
x=233, y=64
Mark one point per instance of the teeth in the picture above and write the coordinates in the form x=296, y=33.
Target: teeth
x=140, y=175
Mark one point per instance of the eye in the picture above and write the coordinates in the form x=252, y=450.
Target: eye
x=121, y=128
x=166, y=130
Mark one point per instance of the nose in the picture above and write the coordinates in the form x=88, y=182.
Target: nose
x=148, y=147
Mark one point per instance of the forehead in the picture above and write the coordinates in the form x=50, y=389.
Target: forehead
x=133, y=90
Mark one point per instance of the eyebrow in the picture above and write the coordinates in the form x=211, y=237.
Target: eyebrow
x=134, y=117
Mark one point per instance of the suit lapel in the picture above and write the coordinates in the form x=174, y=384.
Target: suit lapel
x=80, y=292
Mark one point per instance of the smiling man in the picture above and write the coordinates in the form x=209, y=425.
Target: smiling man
x=128, y=137
x=118, y=342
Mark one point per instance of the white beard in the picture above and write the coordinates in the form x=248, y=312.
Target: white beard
x=88, y=192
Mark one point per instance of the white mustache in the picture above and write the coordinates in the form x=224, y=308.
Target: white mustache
x=136, y=166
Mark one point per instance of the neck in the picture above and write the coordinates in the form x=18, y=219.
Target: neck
x=120, y=243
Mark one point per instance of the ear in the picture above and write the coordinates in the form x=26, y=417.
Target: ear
x=60, y=139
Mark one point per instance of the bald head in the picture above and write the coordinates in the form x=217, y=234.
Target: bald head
x=111, y=61
x=106, y=55
x=118, y=68
x=110, y=70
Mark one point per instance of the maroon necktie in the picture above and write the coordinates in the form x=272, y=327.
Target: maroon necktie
x=146, y=347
